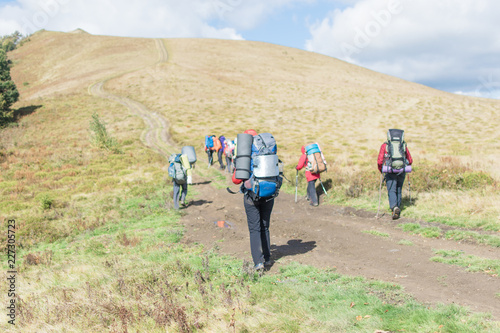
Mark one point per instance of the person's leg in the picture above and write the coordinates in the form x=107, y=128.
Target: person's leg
x=311, y=192
x=228, y=164
x=391, y=181
x=400, y=183
x=221, y=162
x=176, y=195
x=266, y=208
x=184, y=193
x=253, y=221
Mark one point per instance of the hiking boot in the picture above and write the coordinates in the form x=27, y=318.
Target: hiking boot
x=259, y=266
x=395, y=213
x=315, y=204
x=268, y=263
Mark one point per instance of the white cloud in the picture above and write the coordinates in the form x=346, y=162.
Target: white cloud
x=134, y=18
x=443, y=43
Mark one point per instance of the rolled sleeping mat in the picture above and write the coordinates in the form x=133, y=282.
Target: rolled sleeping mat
x=190, y=152
x=388, y=169
x=244, y=156
x=312, y=148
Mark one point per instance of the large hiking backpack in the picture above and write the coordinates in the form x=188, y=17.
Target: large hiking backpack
x=265, y=181
x=175, y=170
x=396, y=151
x=316, y=162
x=209, y=142
x=229, y=149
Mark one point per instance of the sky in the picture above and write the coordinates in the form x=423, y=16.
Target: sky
x=451, y=45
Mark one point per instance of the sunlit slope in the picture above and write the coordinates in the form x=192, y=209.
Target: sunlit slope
x=224, y=87
x=55, y=62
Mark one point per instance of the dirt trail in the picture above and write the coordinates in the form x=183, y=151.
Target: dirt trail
x=329, y=236
x=156, y=135
x=325, y=236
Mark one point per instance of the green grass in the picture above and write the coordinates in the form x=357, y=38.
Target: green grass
x=470, y=262
x=376, y=233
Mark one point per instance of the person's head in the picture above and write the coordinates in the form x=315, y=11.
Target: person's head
x=251, y=132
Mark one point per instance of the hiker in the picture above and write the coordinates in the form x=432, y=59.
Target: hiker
x=209, y=145
x=311, y=178
x=229, y=153
x=258, y=206
x=222, y=140
x=180, y=170
x=216, y=147
x=395, y=161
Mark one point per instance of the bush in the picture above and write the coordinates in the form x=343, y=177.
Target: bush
x=100, y=137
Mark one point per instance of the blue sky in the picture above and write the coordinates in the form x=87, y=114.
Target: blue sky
x=451, y=45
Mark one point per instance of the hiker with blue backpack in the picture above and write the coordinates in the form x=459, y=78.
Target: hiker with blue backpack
x=394, y=161
x=209, y=148
x=257, y=170
x=180, y=171
x=222, y=140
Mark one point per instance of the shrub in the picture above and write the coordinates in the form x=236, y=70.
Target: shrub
x=100, y=137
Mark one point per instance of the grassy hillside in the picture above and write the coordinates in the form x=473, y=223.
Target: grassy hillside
x=97, y=242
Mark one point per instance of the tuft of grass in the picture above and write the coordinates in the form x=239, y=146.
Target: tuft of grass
x=417, y=229
x=376, y=233
x=100, y=137
x=470, y=262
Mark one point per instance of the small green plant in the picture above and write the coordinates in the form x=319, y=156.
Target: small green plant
x=46, y=202
x=376, y=233
x=100, y=137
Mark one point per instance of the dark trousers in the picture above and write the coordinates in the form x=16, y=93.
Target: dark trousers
x=229, y=165
x=258, y=218
x=311, y=192
x=210, y=156
x=221, y=160
x=177, y=189
x=395, y=188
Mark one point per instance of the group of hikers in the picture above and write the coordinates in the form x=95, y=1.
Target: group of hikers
x=252, y=160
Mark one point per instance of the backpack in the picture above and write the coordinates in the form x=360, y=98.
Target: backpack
x=209, y=141
x=175, y=170
x=316, y=162
x=265, y=181
x=396, y=150
x=216, y=144
x=229, y=149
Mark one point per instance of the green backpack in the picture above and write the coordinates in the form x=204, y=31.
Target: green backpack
x=176, y=170
x=396, y=149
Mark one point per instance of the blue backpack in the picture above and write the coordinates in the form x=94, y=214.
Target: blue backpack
x=209, y=141
x=265, y=181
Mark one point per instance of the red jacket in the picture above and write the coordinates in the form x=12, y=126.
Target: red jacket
x=383, y=151
x=303, y=163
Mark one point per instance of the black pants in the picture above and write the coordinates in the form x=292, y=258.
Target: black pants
x=210, y=157
x=258, y=218
x=311, y=192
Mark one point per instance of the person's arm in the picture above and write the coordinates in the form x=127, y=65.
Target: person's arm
x=408, y=156
x=381, y=157
x=302, y=162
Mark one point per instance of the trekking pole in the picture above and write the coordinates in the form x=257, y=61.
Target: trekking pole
x=324, y=190
x=379, y=194
x=296, y=184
